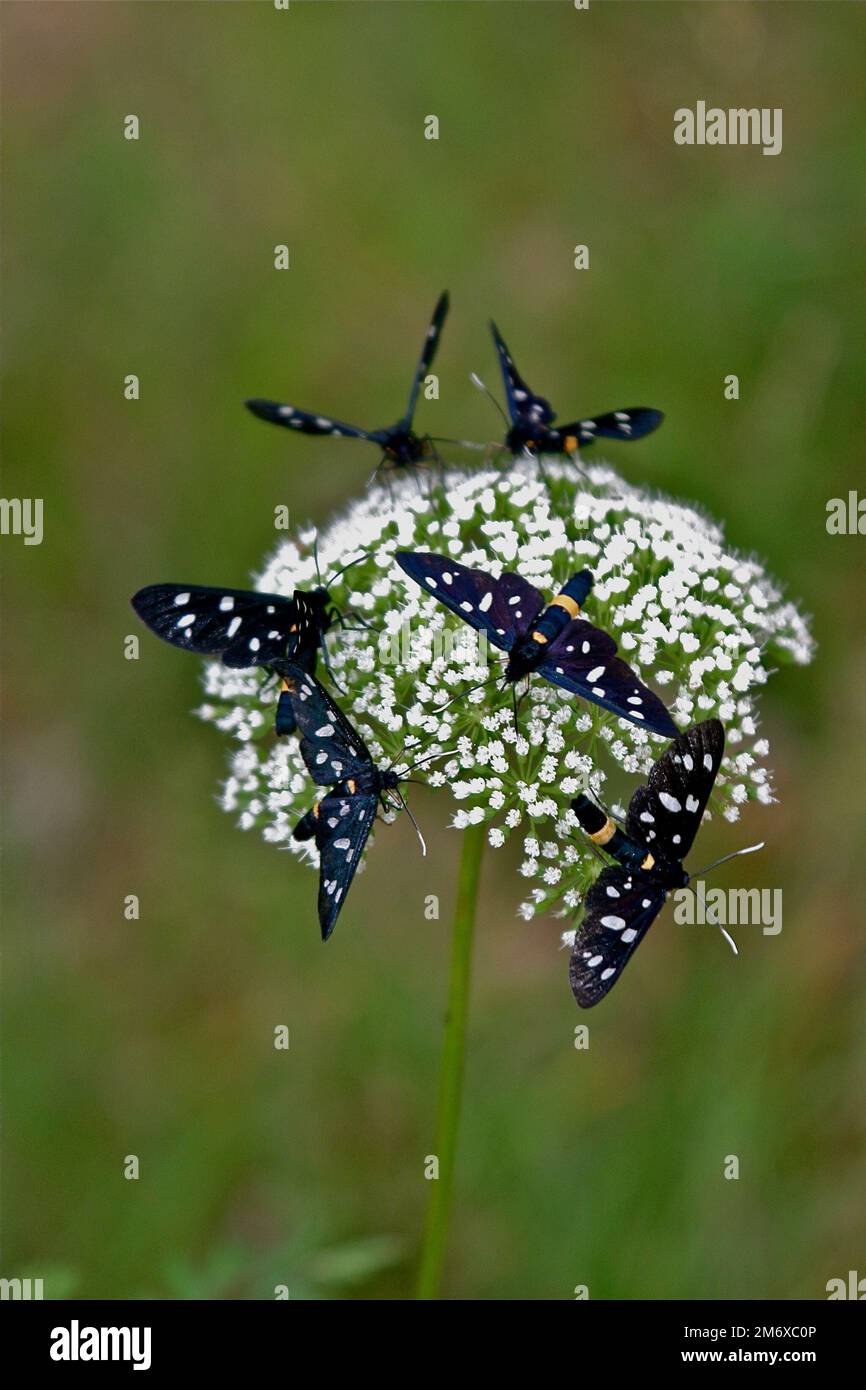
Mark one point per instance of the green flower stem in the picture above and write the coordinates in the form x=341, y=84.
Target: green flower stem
x=452, y=1063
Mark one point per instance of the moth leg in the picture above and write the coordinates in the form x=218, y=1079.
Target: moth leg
x=580, y=467
x=437, y=458
x=515, y=704
x=382, y=473
x=340, y=618
x=494, y=447
x=327, y=660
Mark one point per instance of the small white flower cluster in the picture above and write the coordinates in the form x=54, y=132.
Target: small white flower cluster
x=691, y=615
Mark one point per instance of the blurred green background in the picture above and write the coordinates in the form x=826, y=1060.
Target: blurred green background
x=154, y=1037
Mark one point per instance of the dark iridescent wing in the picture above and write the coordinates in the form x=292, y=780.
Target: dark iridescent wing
x=583, y=659
x=621, y=906
x=340, y=825
x=331, y=748
x=285, y=722
x=667, y=811
x=503, y=608
x=522, y=404
x=428, y=352
x=305, y=422
x=617, y=424
x=245, y=628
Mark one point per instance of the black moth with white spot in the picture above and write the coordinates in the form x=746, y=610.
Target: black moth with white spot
x=540, y=637
x=532, y=417
x=400, y=446
x=662, y=821
x=336, y=757
x=241, y=626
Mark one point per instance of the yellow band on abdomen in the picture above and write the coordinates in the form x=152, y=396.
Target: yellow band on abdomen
x=608, y=830
x=563, y=601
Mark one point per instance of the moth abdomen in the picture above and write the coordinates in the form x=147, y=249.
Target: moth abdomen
x=285, y=722
x=577, y=588
x=563, y=608
x=604, y=832
x=306, y=826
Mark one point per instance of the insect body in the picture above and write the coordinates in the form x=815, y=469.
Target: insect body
x=550, y=639
x=532, y=417
x=337, y=758
x=241, y=626
x=400, y=446
x=661, y=824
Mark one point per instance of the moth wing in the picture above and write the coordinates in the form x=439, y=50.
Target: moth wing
x=666, y=812
x=343, y=825
x=331, y=748
x=583, y=659
x=620, y=908
x=504, y=608
x=523, y=404
x=306, y=422
x=616, y=424
x=428, y=352
x=242, y=626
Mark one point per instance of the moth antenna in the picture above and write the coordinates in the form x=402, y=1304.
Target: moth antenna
x=316, y=559
x=396, y=760
x=480, y=386
x=750, y=849
x=713, y=919
x=334, y=577
x=730, y=940
x=461, y=443
x=414, y=822
x=446, y=753
x=464, y=693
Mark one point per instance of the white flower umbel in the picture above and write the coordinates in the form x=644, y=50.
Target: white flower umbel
x=701, y=622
